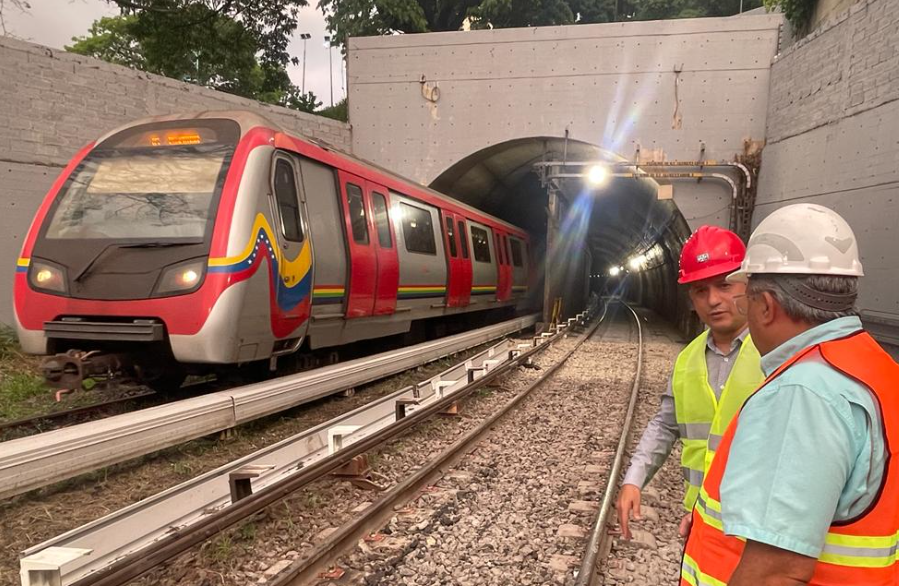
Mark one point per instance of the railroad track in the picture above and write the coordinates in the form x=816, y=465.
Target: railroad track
x=127, y=543
x=32, y=462
x=63, y=418
x=317, y=565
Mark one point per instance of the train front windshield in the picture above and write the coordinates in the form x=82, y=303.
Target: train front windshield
x=152, y=182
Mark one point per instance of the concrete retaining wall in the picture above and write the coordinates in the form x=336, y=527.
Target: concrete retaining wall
x=833, y=123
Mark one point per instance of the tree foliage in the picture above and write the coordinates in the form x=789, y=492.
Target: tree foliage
x=798, y=12
x=236, y=46
x=349, y=18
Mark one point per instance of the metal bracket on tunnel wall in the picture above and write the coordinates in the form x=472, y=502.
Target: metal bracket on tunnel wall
x=430, y=91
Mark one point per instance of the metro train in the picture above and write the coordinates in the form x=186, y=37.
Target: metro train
x=180, y=244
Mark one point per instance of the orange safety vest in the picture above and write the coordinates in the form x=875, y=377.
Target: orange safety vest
x=857, y=552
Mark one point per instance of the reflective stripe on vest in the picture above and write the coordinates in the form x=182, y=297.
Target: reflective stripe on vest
x=862, y=551
x=700, y=416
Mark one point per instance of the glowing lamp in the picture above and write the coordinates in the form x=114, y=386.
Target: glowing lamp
x=598, y=175
x=614, y=271
x=188, y=278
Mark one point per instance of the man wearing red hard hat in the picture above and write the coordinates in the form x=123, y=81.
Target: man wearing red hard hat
x=712, y=376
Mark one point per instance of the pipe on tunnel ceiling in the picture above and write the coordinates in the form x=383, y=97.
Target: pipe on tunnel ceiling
x=647, y=175
x=683, y=164
x=743, y=168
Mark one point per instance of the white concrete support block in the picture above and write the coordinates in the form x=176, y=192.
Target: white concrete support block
x=337, y=434
x=46, y=567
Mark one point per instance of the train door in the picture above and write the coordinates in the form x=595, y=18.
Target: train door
x=455, y=263
x=519, y=267
x=363, y=258
x=465, y=275
x=388, y=271
x=293, y=288
x=503, y=267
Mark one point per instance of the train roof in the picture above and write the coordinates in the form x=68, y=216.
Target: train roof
x=248, y=120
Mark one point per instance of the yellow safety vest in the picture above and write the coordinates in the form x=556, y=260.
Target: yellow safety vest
x=701, y=418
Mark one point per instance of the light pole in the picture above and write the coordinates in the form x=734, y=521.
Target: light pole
x=330, y=68
x=305, y=37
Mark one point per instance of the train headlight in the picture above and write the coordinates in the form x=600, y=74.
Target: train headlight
x=181, y=278
x=44, y=276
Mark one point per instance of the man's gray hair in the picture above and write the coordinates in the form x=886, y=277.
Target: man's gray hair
x=783, y=288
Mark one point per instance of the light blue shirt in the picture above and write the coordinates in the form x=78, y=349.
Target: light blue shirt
x=808, y=450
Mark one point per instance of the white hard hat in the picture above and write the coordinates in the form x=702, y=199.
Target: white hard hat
x=801, y=239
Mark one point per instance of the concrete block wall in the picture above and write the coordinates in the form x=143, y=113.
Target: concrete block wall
x=52, y=103
x=833, y=123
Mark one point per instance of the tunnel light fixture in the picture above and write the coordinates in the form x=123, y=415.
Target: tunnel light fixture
x=614, y=271
x=598, y=175
x=637, y=262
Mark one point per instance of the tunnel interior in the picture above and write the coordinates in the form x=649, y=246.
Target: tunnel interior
x=621, y=223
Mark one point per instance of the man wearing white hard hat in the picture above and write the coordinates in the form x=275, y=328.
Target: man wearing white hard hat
x=804, y=487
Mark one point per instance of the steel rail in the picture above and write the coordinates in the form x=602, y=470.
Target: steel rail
x=75, y=411
x=125, y=539
x=587, y=574
x=126, y=569
x=304, y=570
x=35, y=461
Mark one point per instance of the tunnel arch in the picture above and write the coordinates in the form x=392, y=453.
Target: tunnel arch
x=625, y=218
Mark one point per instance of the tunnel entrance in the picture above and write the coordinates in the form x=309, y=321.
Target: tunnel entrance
x=618, y=225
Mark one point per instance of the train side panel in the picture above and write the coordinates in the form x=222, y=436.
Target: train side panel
x=423, y=270
x=484, y=272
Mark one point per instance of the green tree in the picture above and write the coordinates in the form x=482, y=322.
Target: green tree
x=339, y=111
x=196, y=44
x=349, y=18
x=307, y=102
x=798, y=12
x=267, y=24
x=112, y=40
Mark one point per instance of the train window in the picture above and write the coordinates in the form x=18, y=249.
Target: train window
x=418, y=231
x=288, y=201
x=480, y=245
x=451, y=238
x=517, y=259
x=379, y=207
x=463, y=239
x=357, y=213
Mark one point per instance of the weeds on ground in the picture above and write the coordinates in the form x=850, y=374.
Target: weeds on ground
x=19, y=380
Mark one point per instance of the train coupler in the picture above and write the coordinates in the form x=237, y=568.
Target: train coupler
x=67, y=372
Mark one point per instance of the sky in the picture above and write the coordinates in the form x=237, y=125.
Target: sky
x=53, y=23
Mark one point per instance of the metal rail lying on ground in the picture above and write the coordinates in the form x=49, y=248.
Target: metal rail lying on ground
x=123, y=545
x=36, y=461
x=376, y=515
x=587, y=575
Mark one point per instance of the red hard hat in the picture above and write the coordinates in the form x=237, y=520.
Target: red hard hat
x=710, y=252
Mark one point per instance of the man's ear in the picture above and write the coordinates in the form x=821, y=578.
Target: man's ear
x=768, y=308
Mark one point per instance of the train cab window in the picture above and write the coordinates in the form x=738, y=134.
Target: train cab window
x=357, y=213
x=463, y=239
x=517, y=258
x=288, y=201
x=480, y=244
x=451, y=238
x=418, y=231
x=379, y=207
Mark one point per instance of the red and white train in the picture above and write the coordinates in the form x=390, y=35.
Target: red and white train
x=219, y=239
